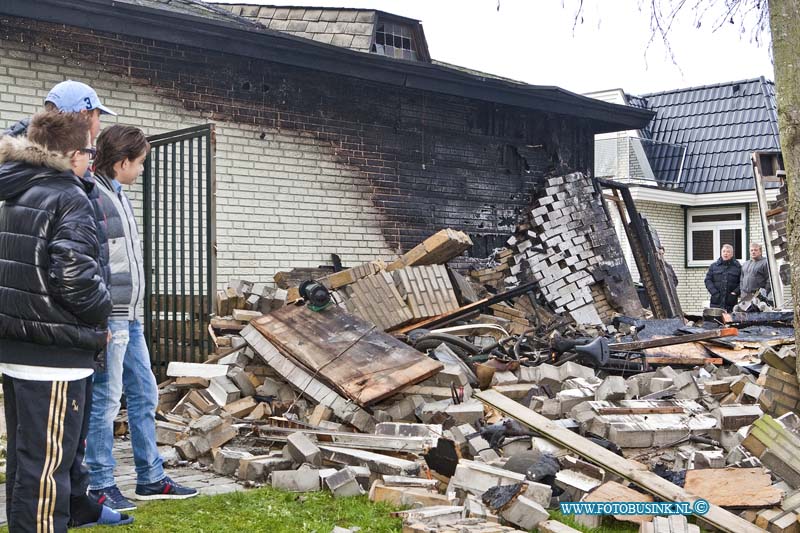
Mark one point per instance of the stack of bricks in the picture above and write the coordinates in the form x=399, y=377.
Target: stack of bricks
x=777, y=220
x=393, y=299
x=776, y=444
x=501, y=275
x=376, y=298
x=414, y=287
x=562, y=242
x=783, y=390
x=518, y=321
x=426, y=289
x=777, y=217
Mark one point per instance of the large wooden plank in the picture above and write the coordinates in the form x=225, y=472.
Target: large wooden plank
x=366, y=364
x=686, y=361
x=360, y=441
x=692, y=351
x=377, y=462
x=734, y=487
x=626, y=468
x=658, y=341
x=744, y=356
x=301, y=380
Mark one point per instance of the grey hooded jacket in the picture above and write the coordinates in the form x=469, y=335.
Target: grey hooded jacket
x=124, y=251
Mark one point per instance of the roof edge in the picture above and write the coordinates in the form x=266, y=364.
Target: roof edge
x=709, y=86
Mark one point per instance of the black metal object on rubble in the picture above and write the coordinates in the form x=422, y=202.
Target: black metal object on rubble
x=316, y=295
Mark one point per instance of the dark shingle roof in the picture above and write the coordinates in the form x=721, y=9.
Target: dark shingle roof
x=719, y=126
x=348, y=28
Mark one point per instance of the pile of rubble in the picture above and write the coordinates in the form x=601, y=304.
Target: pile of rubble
x=480, y=401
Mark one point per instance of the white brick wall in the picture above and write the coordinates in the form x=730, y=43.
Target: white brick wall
x=669, y=221
x=282, y=201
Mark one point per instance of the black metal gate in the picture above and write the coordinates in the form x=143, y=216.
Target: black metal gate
x=179, y=258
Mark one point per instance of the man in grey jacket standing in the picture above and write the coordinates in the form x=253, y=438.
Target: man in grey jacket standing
x=121, y=151
x=755, y=273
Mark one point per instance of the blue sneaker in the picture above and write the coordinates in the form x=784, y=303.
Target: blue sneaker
x=108, y=517
x=113, y=498
x=166, y=489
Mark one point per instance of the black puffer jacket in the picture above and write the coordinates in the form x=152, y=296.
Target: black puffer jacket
x=722, y=279
x=54, y=306
x=20, y=129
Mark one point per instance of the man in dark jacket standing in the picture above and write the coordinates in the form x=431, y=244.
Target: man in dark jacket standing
x=55, y=308
x=722, y=279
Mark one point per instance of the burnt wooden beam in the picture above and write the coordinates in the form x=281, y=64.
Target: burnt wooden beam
x=446, y=318
x=662, y=295
x=671, y=341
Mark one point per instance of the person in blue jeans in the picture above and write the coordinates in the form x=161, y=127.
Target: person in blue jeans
x=121, y=151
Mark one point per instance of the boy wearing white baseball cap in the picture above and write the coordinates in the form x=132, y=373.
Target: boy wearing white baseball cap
x=69, y=97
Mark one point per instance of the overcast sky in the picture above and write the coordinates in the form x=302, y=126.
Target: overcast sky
x=533, y=41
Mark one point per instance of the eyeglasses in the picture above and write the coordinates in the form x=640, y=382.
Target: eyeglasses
x=91, y=151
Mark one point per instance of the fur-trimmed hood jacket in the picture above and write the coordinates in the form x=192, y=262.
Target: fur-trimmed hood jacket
x=54, y=305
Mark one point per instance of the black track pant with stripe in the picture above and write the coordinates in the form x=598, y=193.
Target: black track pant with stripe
x=45, y=481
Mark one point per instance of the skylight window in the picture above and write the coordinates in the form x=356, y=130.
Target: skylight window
x=394, y=40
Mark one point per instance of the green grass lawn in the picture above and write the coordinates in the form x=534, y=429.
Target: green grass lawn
x=260, y=510
x=274, y=511
x=609, y=524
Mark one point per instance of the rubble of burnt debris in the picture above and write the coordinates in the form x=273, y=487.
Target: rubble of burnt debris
x=481, y=400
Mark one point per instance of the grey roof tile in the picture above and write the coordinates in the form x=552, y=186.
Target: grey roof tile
x=278, y=24
x=312, y=15
x=266, y=12
x=281, y=13
x=362, y=42
x=337, y=27
x=342, y=39
x=297, y=26
x=249, y=11
x=323, y=38
x=296, y=13
x=347, y=16
x=359, y=28
x=318, y=27
x=365, y=16
x=329, y=15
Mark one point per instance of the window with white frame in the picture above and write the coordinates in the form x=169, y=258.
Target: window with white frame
x=708, y=229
